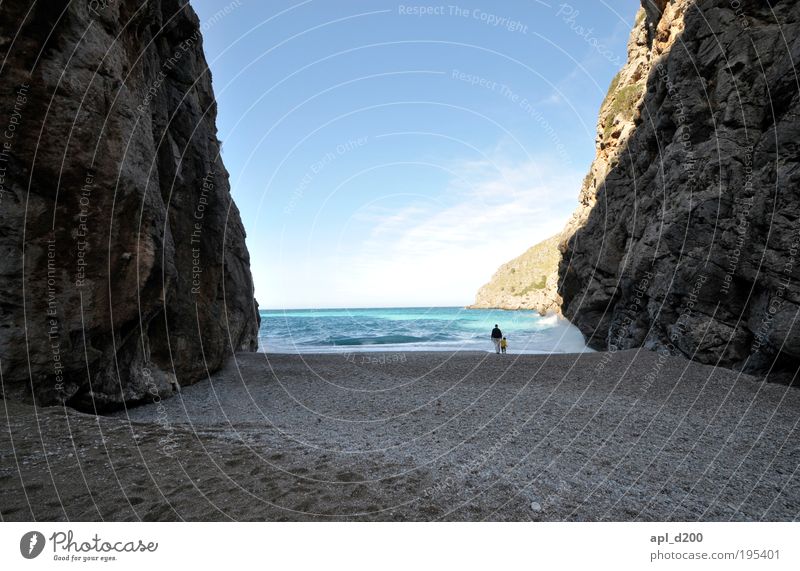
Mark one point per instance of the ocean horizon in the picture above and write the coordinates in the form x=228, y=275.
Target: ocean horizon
x=392, y=329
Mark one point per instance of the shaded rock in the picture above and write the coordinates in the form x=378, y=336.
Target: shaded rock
x=688, y=230
x=125, y=269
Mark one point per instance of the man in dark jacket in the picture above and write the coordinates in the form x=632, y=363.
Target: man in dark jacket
x=497, y=336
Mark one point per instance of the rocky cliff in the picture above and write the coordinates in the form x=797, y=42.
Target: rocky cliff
x=688, y=231
x=125, y=272
x=529, y=281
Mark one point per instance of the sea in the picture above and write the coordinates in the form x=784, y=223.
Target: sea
x=414, y=329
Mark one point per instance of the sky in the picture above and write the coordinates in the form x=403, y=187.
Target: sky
x=385, y=154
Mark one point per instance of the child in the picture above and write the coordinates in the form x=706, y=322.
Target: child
x=503, y=345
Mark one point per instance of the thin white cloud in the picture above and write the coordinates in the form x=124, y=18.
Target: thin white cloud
x=432, y=253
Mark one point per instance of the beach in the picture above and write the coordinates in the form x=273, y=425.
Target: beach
x=624, y=436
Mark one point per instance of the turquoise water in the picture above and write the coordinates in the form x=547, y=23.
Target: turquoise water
x=413, y=329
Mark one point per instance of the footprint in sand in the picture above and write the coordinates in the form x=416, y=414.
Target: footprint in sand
x=359, y=492
x=160, y=513
x=304, y=506
x=234, y=463
x=6, y=512
x=430, y=511
x=34, y=487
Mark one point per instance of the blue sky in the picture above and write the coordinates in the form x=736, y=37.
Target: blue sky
x=385, y=154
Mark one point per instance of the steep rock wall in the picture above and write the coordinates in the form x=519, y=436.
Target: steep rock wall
x=125, y=271
x=687, y=234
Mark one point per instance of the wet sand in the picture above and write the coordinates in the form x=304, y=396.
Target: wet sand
x=420, y=436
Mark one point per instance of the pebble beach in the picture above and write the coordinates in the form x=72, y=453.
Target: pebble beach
x=626, y=436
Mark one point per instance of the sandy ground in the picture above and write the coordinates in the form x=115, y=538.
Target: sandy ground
x=420, y=436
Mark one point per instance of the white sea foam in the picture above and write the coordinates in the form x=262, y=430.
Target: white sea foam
x=414, y=329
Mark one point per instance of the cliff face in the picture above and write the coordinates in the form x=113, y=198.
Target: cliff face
x=125, y=271
x=529, y=281
x=688, y=231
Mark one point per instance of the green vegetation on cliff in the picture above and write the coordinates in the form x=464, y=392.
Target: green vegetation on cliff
x=623, y=103
x=526, y=282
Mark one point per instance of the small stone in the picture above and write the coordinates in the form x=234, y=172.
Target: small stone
x=535, y=506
